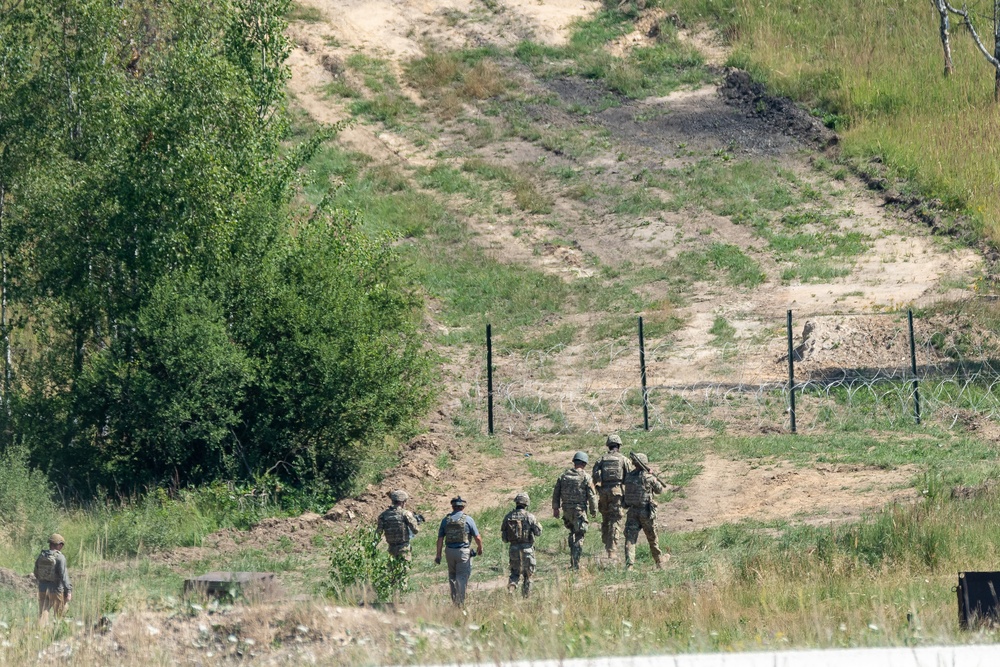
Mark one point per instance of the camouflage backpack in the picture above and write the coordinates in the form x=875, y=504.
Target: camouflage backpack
x=574, y=488
x=636, y=494
x=45, y=566
x=455, y=529
x=612, y=470
x=394, y=524
x=517, y=528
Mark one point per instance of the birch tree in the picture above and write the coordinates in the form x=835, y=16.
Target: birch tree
x=944, y=9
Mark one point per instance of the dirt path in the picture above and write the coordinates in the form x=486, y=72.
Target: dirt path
x=729, y=491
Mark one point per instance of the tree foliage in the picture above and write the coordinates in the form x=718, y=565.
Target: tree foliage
x=169, y=314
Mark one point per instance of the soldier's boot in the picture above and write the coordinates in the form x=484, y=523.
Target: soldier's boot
x=511, y=587
x=658, y=562
x=629, y=556
x=575, y=553
x=526, y=589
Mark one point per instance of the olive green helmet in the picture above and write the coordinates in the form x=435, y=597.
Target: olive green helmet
x=399, y=496
x=643, y=459
x=522, y=499
x=614, y=440
x=581, y=457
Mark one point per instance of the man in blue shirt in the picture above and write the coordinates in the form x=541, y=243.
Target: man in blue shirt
x=454, y=534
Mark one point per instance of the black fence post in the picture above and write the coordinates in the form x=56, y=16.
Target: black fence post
x=489, y=376
x=791, y=374
x=913, y=368
x=642, y=369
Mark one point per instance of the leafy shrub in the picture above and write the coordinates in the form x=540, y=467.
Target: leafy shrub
x=358, y=565
x=27, y=511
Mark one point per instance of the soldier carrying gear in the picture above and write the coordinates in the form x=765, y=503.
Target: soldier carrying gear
x=609, y=476
x=575, y=495
x=454, y=533
x=519, y=530
x=398, y=525
x=641, y=488
x=54, y=588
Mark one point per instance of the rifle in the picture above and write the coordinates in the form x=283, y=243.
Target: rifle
x=645, y=468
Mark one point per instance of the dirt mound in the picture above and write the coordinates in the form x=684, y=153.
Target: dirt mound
x=265, y=633
x=778, y=112
x=20, y=583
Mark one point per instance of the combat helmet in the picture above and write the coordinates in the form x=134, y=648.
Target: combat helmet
x=614, y=440
x=458, y=501
x=522, y=499
x=643, y=459
x=399, y=496
x=581, y=457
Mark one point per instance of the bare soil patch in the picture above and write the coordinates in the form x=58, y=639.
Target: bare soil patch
x=729, y=491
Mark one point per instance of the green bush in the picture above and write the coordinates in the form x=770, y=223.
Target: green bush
x=27, y=510
x=358, y=566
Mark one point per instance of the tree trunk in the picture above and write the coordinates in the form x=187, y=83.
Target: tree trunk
x=996, y=50
x=942, y=8
x=4, y=329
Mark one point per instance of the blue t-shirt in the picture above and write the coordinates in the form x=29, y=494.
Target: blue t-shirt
x=470, y=529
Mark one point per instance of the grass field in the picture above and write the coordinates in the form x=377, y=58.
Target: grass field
x=874, y=71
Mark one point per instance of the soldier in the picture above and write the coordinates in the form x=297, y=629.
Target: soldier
x=641, y=487
x=519, y=530
x=575, y=494
x=399, y=525
x=454, y=532
x=609, y=476
x=54, y=589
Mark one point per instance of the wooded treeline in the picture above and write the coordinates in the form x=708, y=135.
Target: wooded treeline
x=169, y=312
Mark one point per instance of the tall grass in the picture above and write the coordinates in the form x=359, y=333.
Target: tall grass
x=875, y=70
x=884, y=580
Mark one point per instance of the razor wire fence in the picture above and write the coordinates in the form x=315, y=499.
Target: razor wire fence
x=852, y=372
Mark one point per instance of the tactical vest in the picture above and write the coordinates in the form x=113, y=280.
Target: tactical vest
x=573, y=488
x=636, y=493
x=456, y=530
x=612, y=470
x=517, y=528
x=45, y=566
x=394, y=525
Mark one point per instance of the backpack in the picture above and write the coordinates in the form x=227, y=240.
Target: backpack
x=635, y=490
x=45, y=566
x=516, y=528
x=612, y=470
x=456, y=530
x=394, y=525
x=573, y=488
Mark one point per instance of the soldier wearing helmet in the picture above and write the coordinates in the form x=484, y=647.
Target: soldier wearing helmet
x=609, y=477
x=453, y=535
x=574, y=496
x=519, y=530
x=399, y=525
x=641, y=488
x=54, y=588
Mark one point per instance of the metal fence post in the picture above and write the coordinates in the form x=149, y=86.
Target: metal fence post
x=642, y=369
x=913, y=368
x=791, y=374
x=489, y=376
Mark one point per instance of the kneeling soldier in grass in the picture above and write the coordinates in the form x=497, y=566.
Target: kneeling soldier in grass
x=519, y=530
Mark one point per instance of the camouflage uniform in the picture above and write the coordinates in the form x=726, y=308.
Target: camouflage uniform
x=575, y=495
x=640, y=491
x=519, y=530
x=611, y=495
x=52, y=575
x=398, y=525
